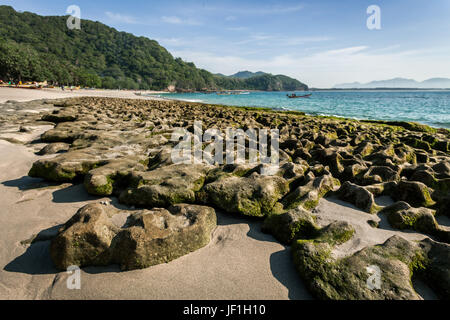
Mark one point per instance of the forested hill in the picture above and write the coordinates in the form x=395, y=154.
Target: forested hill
x=37, y=48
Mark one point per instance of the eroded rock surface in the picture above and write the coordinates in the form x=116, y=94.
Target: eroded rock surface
x=147, y=238
x=352, y=278
x=122, y=148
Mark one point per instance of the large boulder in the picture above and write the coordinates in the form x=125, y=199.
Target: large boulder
x=165, y=186
x=402, y=216
x=160, y=235
x=66, y=167
x=294, y=224
x=359, y=196
x=415, y=193
x=149, y=237
x=309, y=194
x=255, y=195
x=348, y=278
x=85, y=239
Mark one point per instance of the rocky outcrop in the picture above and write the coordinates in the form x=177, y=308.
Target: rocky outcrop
x=119, y=146
x=253, y=196
x=355, y=277
x=294, y=224
x=123, y=148
x=165, y=186
x=309, y=193
x=149, y=237
x=402, y=216
x=415, y=193
x=359, y=196
x=53, y=148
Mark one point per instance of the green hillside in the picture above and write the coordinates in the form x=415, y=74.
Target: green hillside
x=38, y=48
x=246, y=74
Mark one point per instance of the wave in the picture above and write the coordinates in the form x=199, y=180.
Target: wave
x=439, y=124
x=281, y=109
x=191, y=100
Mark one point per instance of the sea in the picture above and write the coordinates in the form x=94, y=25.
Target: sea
x=427, y=107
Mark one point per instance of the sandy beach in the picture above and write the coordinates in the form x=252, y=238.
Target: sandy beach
x=19, y=94
x=240, y=262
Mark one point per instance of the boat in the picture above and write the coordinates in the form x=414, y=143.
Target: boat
x=293, y=96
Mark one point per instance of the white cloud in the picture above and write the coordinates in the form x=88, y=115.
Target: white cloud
x=117, y=17
x=180, y=21
x=302, y=40
x=191, y=42
x=330, y=67
x=345, y=51
x=176, y=42
x=280, y=40
x=237, y=28
x=279, y=9
x=233, y=11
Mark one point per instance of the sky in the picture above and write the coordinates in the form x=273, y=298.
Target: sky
x=321, y=43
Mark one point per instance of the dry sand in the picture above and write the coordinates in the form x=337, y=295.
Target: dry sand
x=19, y=94
x=239, y=263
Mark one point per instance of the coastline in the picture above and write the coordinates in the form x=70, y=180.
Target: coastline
x=20, y=94
x=240, y=262
x=321, y=106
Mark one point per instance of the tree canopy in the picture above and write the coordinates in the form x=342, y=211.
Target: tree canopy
x=37, y=48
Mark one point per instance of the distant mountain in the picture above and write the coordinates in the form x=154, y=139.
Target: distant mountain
x=247, y=74
x=437, y=83
x=433, y=83
x=261, y=81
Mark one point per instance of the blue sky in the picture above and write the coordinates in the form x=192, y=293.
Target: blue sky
x=321, y=43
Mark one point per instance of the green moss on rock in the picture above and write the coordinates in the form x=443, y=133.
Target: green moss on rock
x=294, y=224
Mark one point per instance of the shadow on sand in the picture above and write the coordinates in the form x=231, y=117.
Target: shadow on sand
x=28, y=183
x=36, y=259
x=281, y=264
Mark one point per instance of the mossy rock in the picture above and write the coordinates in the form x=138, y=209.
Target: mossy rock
x=415, y=193
x=402, y=216
x=64, y=168
x=150, y=237
x=165, y=186
x=347, y=278
x=359, y=196
x=309, y=194
x=294, y=224
x=253, y=196
x=114, y=176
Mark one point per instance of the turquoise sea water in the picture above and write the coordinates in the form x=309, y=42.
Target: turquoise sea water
x=427, y=107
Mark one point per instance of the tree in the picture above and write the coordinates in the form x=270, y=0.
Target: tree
x=42, y=48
